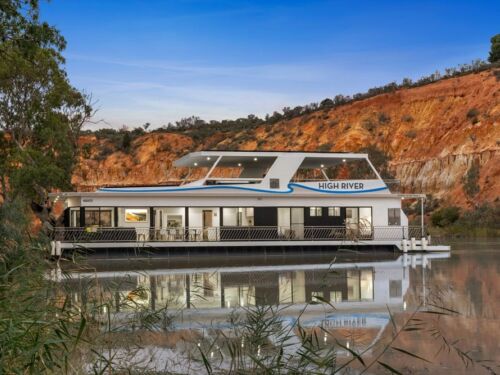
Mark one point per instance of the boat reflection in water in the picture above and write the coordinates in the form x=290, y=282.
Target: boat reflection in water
x=360, y=286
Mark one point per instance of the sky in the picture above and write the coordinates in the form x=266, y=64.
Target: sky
x=158, y=61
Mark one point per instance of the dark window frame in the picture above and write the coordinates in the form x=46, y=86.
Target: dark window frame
x=99, y=210
x=394, y=216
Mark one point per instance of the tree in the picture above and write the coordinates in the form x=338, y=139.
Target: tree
x=41, y=114
x=495, y=49
x=326, y=103
x=445, y=216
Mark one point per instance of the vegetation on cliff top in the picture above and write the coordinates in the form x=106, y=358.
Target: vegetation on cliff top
x=199, y=128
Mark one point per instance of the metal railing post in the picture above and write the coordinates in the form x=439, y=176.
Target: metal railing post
x=422, y=216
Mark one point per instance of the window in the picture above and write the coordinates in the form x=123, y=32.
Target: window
x=394, y=216
x=395, y=288
x=91, y=216
x=336, y=296
x=353, y=285
x=315, y=211
x=136, y=215
x=366, y=284
x=333, y=211
x=98, y=216
x=274, y=183
x=237, y=216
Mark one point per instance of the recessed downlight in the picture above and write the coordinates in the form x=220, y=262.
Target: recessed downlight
x=255, y=159
x=208, y=157
x=239, y=164
x=343, y=160
x=195, y=164
x=322, y=166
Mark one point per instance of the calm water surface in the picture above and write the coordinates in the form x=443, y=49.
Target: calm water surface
x=344, y=298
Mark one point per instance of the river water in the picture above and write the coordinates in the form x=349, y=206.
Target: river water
x=190, y=314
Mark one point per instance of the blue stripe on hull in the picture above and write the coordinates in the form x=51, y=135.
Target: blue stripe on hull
x=195, y=188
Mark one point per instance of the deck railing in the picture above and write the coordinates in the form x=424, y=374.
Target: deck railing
x=230, y=233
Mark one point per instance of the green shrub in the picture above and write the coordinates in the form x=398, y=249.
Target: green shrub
x=445, y=216
x=486, y=215
x=126, y=142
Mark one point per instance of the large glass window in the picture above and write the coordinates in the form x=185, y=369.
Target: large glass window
x=334, y=168
x=353, y=287
x=365, y=221
x=74, y=219
x=366, y=283
x=360, y=285
x=394, y=216
x=241, y=167
x=238, y=216
x=205, y=290
x=352, y=217
x=236, y=296
x=102, y=217
x=171, y=290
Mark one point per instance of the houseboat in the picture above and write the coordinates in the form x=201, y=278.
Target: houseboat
x=246, y=199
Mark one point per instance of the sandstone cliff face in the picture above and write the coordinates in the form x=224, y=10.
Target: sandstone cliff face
x=433, y=134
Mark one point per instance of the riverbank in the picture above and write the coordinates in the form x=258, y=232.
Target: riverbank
x=459, y=231
x=481, y=222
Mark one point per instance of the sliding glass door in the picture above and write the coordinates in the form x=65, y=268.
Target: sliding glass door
x=358, y=222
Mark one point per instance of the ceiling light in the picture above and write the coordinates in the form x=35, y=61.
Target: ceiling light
x=239, y=164
x=322, y=166
x=255, y=159
x=343, y=160
x=208, y=157
x=195, y=164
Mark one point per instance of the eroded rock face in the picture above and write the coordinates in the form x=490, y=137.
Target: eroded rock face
x=433, y=134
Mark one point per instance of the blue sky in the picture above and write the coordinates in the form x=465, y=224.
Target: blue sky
x=158, y=61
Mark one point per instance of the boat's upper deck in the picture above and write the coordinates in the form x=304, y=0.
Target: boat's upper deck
x=273, y=172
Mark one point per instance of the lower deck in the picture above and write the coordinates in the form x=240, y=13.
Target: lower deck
x=236, y=227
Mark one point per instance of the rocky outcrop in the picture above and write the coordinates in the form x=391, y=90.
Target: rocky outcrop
x=433, y=135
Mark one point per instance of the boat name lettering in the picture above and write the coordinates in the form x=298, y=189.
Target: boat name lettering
x=341, y=185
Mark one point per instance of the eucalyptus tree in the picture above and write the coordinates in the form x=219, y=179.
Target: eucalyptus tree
x=495, y=49
x=41, y=113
